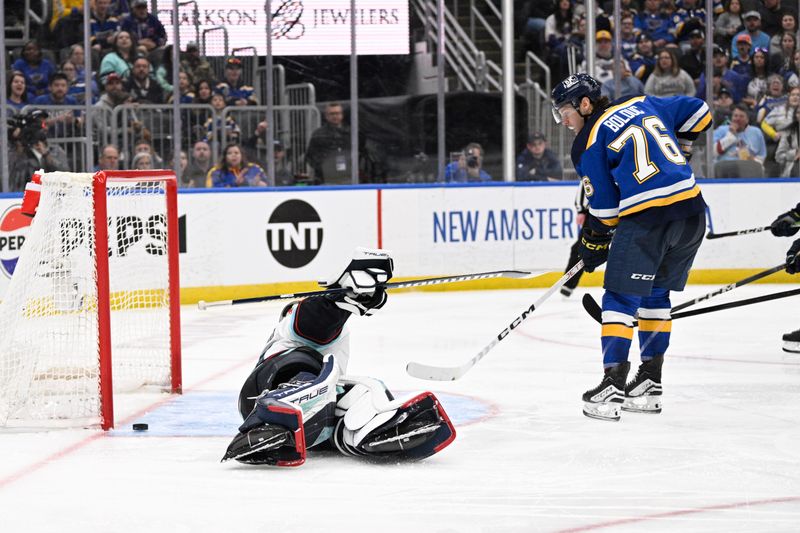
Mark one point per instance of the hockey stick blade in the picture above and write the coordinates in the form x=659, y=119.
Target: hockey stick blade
x=452, y=373
x=712, y=235
x=516, y=274
x=594, y=310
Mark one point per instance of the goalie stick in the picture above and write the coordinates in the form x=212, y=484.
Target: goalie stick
x=712, y=235
x=452, y=373
x=595, y=311
x=393, y=285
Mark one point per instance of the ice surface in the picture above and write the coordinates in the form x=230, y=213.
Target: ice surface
x=723, y=456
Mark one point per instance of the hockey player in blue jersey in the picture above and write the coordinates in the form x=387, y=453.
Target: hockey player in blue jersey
x=646, y=218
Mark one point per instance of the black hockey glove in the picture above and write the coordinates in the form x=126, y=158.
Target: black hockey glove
x=594, y=248
x=793, y=258
x=787, y=224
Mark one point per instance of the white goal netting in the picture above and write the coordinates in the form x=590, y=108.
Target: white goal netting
x=50, y=340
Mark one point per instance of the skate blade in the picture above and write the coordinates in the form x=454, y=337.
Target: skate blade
x=791, y=347
x=642, y=404
x=609, y=411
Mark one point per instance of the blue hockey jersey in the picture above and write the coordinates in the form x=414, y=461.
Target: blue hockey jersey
x=630, y=162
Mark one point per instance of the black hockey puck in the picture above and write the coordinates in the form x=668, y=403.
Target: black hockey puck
x=140, y=427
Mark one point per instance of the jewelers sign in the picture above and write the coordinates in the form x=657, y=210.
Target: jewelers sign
x=299, y=27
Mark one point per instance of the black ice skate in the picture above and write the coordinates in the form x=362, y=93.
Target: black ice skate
x=791, y=342
x=603, y=402
x=643, y=393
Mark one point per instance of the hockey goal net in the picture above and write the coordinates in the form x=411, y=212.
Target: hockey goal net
x=93, y=306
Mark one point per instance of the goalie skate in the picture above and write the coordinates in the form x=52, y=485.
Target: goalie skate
x=604, y=401
x=643, y=393
x=791, y=342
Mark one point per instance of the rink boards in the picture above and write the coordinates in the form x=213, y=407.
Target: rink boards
x=238, y=243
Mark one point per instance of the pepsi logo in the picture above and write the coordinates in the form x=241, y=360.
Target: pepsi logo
x=13, y=231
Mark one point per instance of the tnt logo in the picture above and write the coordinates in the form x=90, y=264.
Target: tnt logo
x=13, y=230
x=294, y=233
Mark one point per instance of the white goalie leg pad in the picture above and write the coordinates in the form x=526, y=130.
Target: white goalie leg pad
x=371, y=422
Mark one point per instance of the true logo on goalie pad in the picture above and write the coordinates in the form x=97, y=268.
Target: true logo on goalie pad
x=13, y=230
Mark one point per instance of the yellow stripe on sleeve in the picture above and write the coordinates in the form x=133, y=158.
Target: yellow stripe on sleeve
x=702, y=124
x=660, y=202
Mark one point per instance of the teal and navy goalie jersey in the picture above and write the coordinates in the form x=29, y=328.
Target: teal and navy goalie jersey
x=630, y=161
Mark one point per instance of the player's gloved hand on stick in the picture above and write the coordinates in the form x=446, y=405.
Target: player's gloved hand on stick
x=793, y=258
x=787, y=224
x=368, y=269
x=594, y=248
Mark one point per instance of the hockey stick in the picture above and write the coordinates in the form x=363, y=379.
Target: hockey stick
x=394, y=285
x=712, y=235
x=590, y=302
x=452, y=373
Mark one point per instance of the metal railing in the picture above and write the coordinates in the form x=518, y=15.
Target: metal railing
x=34, y=12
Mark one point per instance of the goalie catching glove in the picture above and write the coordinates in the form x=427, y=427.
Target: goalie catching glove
x=367, y=271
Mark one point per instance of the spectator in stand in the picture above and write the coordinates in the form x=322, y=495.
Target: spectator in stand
x=121, y=58
x=775, y=125
x=197, y=66
x=233, y=170
x=729, y=23
x=776, y=96
x=283, y=173
x=655, y=23
x=752, y=28
x=185, y=88
x=29, y=156
x=60, y=123
x=729, y=79
x=196, y=172
x=668, y=78
x=144, y=26
x=103, y=25
x=772, y=13
x=604, y=58
x=738, y=141
x=144, y=146
x=723, y=107
x=536, y=13
x=255, y=146
x=142, y=161
x=233, y=87
x=35, y=67
x=164, y=70
x=63, y=8
x=77, y=88
x=644, y=60
x=689, y=17
x=630, y=85
x=742, y=64
x=577, y=40
x=787, y=156
x=328, y=151
x=537, y=162
x=467, y=167
x=781, y=61
x=215, y=124
x=109, y=158
x=16, y=92
x=693, y=60
x=788, y=25
x=757, y=87
x=203, y=92
x=627, y=35
x=120, y=7
x=558, y=27
x=142, y=87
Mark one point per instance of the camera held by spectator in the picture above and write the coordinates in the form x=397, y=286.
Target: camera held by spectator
x=23, y=128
